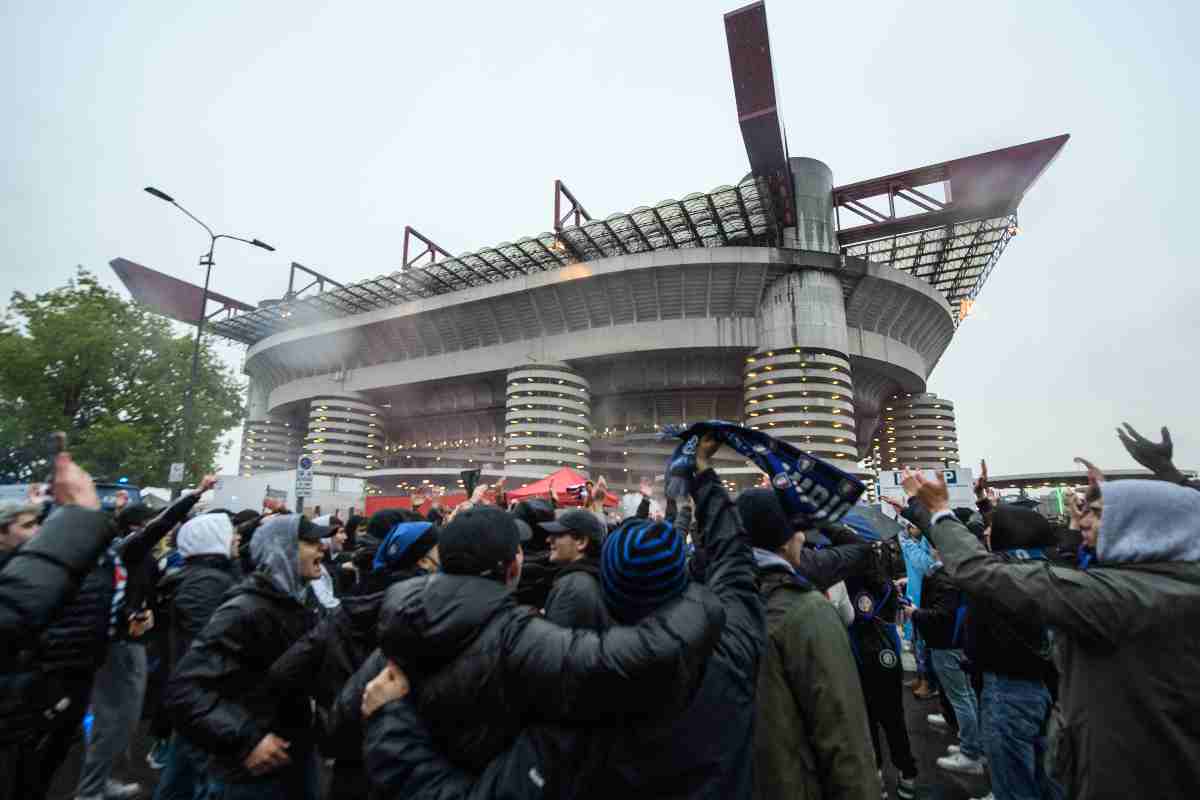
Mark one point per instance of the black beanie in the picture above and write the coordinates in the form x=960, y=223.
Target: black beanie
x=763, y=518
x=1014, y=527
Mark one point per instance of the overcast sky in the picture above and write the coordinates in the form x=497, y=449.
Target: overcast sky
x=324, y=128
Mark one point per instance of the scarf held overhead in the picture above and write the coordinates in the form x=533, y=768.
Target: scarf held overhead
x=811, y=491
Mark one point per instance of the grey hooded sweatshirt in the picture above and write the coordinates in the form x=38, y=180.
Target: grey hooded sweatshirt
x=1127, y=647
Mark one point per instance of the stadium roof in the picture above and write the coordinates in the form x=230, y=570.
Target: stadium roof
x=728, y=215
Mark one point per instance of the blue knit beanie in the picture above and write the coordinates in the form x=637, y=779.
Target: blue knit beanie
x=643, y=566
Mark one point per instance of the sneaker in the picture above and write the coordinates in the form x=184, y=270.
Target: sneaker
x=925, y=692
x=114, y=790
x=961, y=764
x=906, y=788
x=988, y=796
x=157, y=757
x=952, y=749
x=937, y=721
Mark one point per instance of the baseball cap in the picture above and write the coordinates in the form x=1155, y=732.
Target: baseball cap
x=577, y=520
x=311, y=531
x=479, y=541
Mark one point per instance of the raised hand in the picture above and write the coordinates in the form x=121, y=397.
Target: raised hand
x=1154, y=456
x=646, y=487
x=981, y=483
x=932, y=494
x=709, y=445
x=73, y=486
x=206, y=483
x=1094, y=473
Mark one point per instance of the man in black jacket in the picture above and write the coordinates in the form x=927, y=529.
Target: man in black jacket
x=575, y=599
x=38, y=580
x=119, y=686
x=208, y=545
x=703, y=750
x=329, y=654
x=261, y=743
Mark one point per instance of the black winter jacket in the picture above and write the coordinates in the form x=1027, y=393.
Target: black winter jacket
x=938, y=614
x=38, y=581
x=197, y=590
x=483, y=667
x=219, y=696
x=703, y=751
x=141, y=568
x=324, y=660
x=576, y=600
x=1008, y=645
x=537, y=577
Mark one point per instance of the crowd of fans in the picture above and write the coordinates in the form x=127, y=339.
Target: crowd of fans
x=705, y=647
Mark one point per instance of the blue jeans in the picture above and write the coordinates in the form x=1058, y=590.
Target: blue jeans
x=300, y=780
x=183, y=778
x=117, y=696
x=957, y=688
x=1013, y=712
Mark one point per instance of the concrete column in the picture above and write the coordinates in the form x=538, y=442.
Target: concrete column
x=816, y=228
x=345, y=435
x=547, y=421
x=805, y=397
x=918, y=430
x=797, y=384
x=805, y=308
x=269, y=444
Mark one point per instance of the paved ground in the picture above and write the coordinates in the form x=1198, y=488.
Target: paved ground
x=928, y=745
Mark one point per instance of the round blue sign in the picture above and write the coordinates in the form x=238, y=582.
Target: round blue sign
x=305, y=462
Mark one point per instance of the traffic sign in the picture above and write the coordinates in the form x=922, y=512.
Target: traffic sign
x=176, y=475
x=304, y=476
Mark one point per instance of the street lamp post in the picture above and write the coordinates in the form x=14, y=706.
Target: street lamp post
x=185, y=444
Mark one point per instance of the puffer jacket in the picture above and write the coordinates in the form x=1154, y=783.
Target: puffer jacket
x=324, y=660
x=576, y=599
x=810, y=739
x=707, y=749
x=703, y=750
x=1124, y=640
x=40, y=583
x=197, y=590
x=219, y=696
x=482, y=667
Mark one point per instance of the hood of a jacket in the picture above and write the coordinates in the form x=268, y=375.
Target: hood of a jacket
x=205, y=535
x=430, y=620
x=1014, y=527
x=362, y=610
x=275, y=551
x=1148, y=521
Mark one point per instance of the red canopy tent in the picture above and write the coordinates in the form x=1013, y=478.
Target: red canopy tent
x=556, y=484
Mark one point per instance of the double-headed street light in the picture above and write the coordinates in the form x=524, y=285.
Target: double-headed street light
x=206, y=261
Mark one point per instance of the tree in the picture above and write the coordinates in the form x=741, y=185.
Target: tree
x=113, y=375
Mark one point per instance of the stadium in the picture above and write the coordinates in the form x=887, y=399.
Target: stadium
x=813, y=310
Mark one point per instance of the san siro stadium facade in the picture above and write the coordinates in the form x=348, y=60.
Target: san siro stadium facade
x=810, y=310
x=575, y=348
